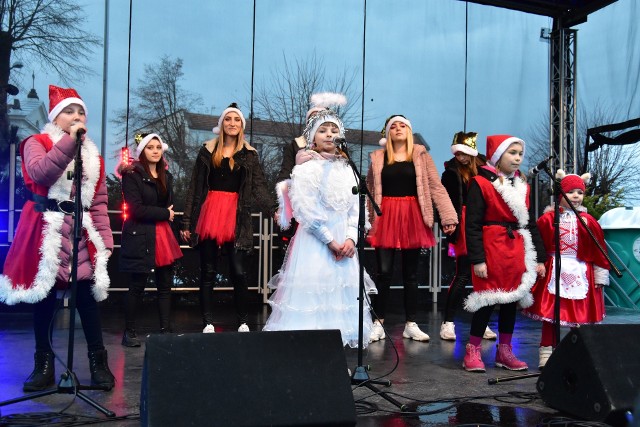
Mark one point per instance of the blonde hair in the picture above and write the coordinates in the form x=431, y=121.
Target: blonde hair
x=389, y=148
x=216, y=157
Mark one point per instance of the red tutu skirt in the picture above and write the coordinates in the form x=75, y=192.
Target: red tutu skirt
x=400, y=226
x=217, y=219
x=167, y=247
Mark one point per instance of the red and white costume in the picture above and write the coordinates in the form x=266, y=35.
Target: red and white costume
x=582, y=267
x=40, y=256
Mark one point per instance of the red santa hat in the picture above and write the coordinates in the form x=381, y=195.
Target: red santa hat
x=572, y=181
x=498, y=144
x=231, y=108
x=60, y=98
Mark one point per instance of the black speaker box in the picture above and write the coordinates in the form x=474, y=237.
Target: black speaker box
x=290, y=378
x=594, y=373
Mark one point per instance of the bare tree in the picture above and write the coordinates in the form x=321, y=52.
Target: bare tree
x=613, y=168
x=160, y=105
x=48, y=32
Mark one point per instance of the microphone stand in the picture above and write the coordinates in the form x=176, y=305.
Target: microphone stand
x=557, y=190
x=69, y=383
x=360, y=374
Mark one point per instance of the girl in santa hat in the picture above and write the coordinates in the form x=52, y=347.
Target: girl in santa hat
x=148, y=245
x=504, y=249
x=39, y=259
x=226, y=182
x=405, y=184
x=457, y=174
x=584, y=269
x=318, y=285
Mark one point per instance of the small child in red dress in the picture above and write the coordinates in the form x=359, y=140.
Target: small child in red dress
x=584, y=269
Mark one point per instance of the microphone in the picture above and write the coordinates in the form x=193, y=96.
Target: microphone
x=540, y=166
x=79, y=135
x=341, y=143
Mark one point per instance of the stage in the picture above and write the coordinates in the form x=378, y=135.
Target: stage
x=428, y=378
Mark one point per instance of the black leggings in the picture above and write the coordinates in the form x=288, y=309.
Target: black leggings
x=385, y=259
x=87, y=307
x=456, y=289
x=208, y=271
x=137, y=283
x=506, y=319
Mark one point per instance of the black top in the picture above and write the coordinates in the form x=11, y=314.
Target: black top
x=163, y=197
x=399, y=180
x=224, y=179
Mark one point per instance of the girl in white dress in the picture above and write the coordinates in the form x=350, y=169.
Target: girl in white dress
x=317, y=286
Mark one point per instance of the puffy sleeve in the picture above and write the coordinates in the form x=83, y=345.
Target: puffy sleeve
x=304, y=193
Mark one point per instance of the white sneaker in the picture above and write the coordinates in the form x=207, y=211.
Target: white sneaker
x=243, y=328
x=448, y=331
x=377, y=332
x=411, y=330
x=209, y=329
x=544, y=353
x=489, y=334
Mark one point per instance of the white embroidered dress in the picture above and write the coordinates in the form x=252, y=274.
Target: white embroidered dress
x=313, y=290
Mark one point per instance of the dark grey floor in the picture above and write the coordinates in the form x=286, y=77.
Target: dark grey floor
x=426, y=377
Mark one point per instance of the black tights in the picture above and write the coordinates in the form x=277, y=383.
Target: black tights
x=456, y=289
x=506, y=319
x=87, y=307
x=137, y=283
x=385, y=259
x=208, y=271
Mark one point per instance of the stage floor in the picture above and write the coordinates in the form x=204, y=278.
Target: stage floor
x=427, y=377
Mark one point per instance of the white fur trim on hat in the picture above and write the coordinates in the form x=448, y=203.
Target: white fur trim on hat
x=63, y=104
x=145, y=141
x=391, y=121
x=503, y=147
x=216, y=129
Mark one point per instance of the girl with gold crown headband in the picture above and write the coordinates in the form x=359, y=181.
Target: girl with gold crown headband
x=40, y=256
x=318, y=284
x=456, y=177
x=226, y=182
x=406, y=185
x=148, y=245
x=584, y=269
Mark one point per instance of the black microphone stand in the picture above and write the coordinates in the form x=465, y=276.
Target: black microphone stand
x=557, y=190
x=69, y=383
x=360, y=374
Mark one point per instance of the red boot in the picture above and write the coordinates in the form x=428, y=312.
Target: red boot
x=472, y=361
x=506, y=359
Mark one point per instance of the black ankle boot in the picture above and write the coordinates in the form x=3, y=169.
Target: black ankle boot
x=43, y=374
x=130, y=338
x=101, y=375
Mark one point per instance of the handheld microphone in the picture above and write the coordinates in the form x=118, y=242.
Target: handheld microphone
x=79, y=134
x=540, y=166
x=341, y=143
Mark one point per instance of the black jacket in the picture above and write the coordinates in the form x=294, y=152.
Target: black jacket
x=253, y=192
x=140, y=192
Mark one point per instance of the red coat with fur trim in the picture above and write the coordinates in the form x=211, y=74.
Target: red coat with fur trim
x=40, y=255
x=501, y=234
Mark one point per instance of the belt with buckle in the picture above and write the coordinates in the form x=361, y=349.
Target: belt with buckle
x=44, y=204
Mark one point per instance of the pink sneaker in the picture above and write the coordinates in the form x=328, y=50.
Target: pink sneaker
x=506, y=359
x=472, y=361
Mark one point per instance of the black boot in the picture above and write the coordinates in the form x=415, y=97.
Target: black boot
x=130, y=338
x=101, y=376
x=43, y=372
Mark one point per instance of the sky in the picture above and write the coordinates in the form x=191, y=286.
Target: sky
x=412, y=53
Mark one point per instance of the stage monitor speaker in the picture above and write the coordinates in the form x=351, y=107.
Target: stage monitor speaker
x=594, y=373
x=289, y=378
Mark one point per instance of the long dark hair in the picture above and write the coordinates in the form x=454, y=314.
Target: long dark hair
x=161, y=169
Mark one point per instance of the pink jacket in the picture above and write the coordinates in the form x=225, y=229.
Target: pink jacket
x=40, y=254
x=430, y=189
